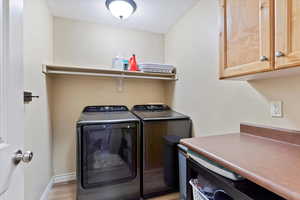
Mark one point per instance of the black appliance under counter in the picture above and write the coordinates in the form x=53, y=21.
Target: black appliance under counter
x=238, y=190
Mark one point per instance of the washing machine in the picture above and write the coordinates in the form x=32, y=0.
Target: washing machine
x=108, y=153
x=157, y=122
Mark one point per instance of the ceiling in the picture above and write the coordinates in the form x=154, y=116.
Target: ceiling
x=151, y=15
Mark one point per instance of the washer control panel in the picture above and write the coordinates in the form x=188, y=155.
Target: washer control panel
x=109, y=108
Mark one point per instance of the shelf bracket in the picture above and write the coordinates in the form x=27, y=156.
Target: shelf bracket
x=120, y=84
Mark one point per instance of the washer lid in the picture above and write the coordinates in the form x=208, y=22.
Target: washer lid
x=106, y=114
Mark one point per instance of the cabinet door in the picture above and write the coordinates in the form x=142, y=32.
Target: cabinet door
x=246, y=37
x=287, y=33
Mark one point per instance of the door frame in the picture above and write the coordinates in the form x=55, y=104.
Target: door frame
x=11, y=92
x=11, y=61
x=3, y=36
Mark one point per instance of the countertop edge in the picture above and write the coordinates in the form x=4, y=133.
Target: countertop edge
x=265, y=183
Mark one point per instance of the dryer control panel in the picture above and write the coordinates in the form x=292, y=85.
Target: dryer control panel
x=151, y=107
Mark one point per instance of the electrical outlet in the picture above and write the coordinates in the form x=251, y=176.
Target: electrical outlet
x=276, y=109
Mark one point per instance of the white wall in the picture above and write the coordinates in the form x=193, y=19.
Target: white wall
x=84, y=43
x=38, y=49
x=218, y=106
x=88, y=44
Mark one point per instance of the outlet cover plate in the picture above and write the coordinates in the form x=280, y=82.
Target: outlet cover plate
x=276, y=109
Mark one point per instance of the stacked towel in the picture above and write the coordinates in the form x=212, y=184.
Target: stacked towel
x=156, y=68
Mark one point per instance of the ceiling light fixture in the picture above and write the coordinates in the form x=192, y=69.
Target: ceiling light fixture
x=121, y=9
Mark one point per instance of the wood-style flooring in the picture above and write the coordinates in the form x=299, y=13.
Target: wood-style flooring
x=68, y=192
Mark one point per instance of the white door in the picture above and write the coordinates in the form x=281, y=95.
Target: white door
x=11, y=100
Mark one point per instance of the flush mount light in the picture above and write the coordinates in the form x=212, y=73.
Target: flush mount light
x=121, y=9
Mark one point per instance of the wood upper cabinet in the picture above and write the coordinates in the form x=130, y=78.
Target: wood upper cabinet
x=287, y=39
x=246, y=37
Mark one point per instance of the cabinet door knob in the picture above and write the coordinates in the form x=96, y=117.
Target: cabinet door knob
x=279, y=54
x=263, y=58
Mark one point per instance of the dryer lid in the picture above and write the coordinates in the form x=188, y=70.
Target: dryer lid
x=156, y=112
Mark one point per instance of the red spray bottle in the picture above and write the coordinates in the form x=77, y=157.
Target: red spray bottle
x=133, y=63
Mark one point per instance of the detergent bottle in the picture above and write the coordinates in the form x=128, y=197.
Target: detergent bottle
x=133, y=63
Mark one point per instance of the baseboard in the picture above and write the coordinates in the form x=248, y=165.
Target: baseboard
x=47, y=190
x=62, y=178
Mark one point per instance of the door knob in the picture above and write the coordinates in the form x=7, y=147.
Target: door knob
x=27, y=157
x=20, y=156
x=263, y=58
x=279, y=54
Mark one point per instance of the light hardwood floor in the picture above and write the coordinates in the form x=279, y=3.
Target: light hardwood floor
x=68, y=192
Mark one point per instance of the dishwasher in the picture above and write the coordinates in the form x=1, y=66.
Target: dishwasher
x=219, y=183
